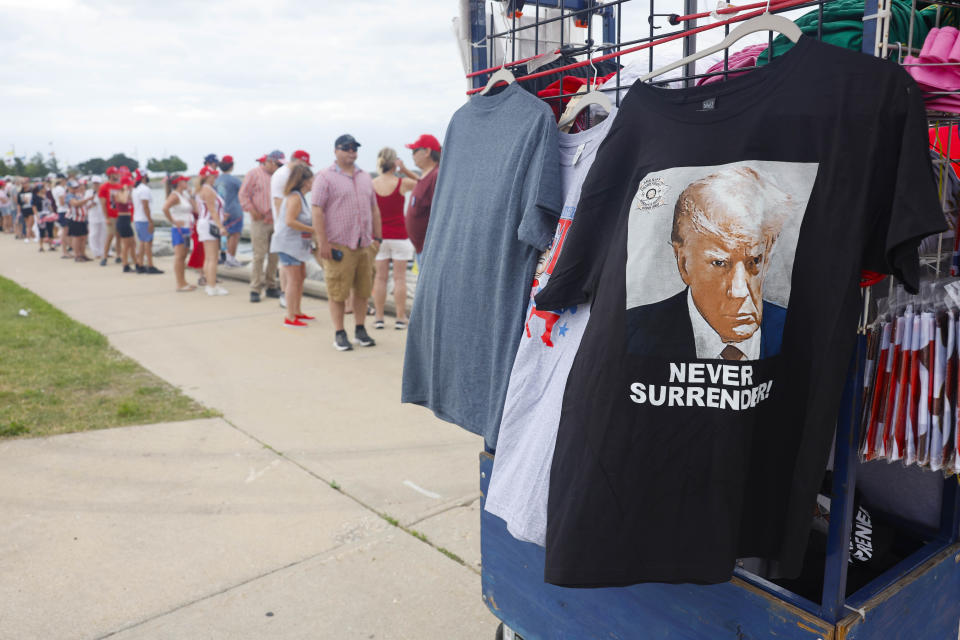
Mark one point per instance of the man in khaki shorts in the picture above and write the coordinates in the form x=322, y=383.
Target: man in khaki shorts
x=347, y=223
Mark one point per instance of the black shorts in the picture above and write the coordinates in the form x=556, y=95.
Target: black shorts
x=77, y=229
x=62, y=219
x=124, y=226
x=46, y=230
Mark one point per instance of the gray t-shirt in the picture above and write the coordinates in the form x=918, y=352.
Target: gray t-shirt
x=520, y=483
x=495, y=208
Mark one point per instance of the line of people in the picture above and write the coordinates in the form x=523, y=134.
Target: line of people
x=78, y=214
x=352, y=224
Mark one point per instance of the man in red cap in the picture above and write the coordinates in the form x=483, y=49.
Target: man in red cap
x=277, y=183
x=426, y=155
x=254, y=196
x=228, y=187
x=107, y=206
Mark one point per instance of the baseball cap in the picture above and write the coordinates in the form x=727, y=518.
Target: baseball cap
x=303, y=156
x=176, y=179
x=96, y=178
x=227, y=159
x=73, y=184
x=207, y=171
x=346, y=139
x=126, y=181
x=262, y=159
x=210, y=157
x=277, y=156
x=425, y=141
x=124, y=169
x=111, y=171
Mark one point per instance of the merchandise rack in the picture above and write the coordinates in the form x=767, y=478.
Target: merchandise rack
x=918, y=599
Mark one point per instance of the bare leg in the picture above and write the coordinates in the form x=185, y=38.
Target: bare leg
x=211, y=254
x=148, y=251
x=380, y=287
x=64, y=243
x=179, y=264
x=106, y=246
x=233, y=241
x=399, y=289
x=294, y=290
x=336, y=314
x=359, y=309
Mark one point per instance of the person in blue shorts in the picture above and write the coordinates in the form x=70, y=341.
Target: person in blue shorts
x=178, y=208
x=143, y=223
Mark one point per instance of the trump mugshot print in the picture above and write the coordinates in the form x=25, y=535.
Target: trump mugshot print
x=709, y=258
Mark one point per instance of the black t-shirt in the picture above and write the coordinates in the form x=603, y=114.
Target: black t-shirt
x=28, y=200
x=719, y=237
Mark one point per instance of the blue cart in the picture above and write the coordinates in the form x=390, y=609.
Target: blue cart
x=918, y=599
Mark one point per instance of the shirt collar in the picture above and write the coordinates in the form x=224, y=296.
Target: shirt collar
x=709, y=344
x=356, y=170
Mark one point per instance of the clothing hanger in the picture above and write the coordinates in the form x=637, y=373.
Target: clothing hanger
x=764, y=22
x=500, y=75
x=592, y=97
x=598, y=98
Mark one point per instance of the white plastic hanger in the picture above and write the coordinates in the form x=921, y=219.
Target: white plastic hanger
x=592, y=97
x=500, y=75
x=765, y=22
x=598, y=98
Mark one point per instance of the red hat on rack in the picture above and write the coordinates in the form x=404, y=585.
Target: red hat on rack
x=426, y=141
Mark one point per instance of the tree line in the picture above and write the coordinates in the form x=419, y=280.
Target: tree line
x=38, y=166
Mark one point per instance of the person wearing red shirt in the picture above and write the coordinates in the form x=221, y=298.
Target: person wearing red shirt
x=426, y=155
x=107, y=206
x=390, y=189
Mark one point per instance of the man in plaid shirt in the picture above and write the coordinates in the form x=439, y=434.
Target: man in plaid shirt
x=254, y=197
x=346, y=220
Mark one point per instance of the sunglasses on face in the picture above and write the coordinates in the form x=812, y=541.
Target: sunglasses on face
x=348, y=147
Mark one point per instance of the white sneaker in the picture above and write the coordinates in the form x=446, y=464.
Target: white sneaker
x=211, y=291
x=283, y=301
x=231, y=261
x=220, y=291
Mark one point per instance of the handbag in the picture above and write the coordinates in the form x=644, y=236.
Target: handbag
x=213, y=229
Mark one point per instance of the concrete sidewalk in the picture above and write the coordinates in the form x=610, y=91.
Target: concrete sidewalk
x=230, y=528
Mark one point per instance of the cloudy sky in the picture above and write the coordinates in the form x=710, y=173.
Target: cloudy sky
x=88, y=78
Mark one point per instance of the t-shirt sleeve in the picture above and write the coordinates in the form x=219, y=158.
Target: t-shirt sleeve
x=607, y=193
x=913, y=212
x=318, y=192
x=543, y=194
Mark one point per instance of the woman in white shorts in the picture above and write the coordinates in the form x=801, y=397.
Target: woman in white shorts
x=210, y=227
x=396, y=246
x=178, y=209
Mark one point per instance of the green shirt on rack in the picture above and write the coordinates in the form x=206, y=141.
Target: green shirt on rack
x=843, y=26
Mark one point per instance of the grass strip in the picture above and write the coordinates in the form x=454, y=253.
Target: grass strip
x=60, y=376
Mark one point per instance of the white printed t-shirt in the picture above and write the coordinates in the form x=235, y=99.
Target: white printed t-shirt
x=59, y=193
x=277, y=182
x=520, y=482
x=141, y=194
